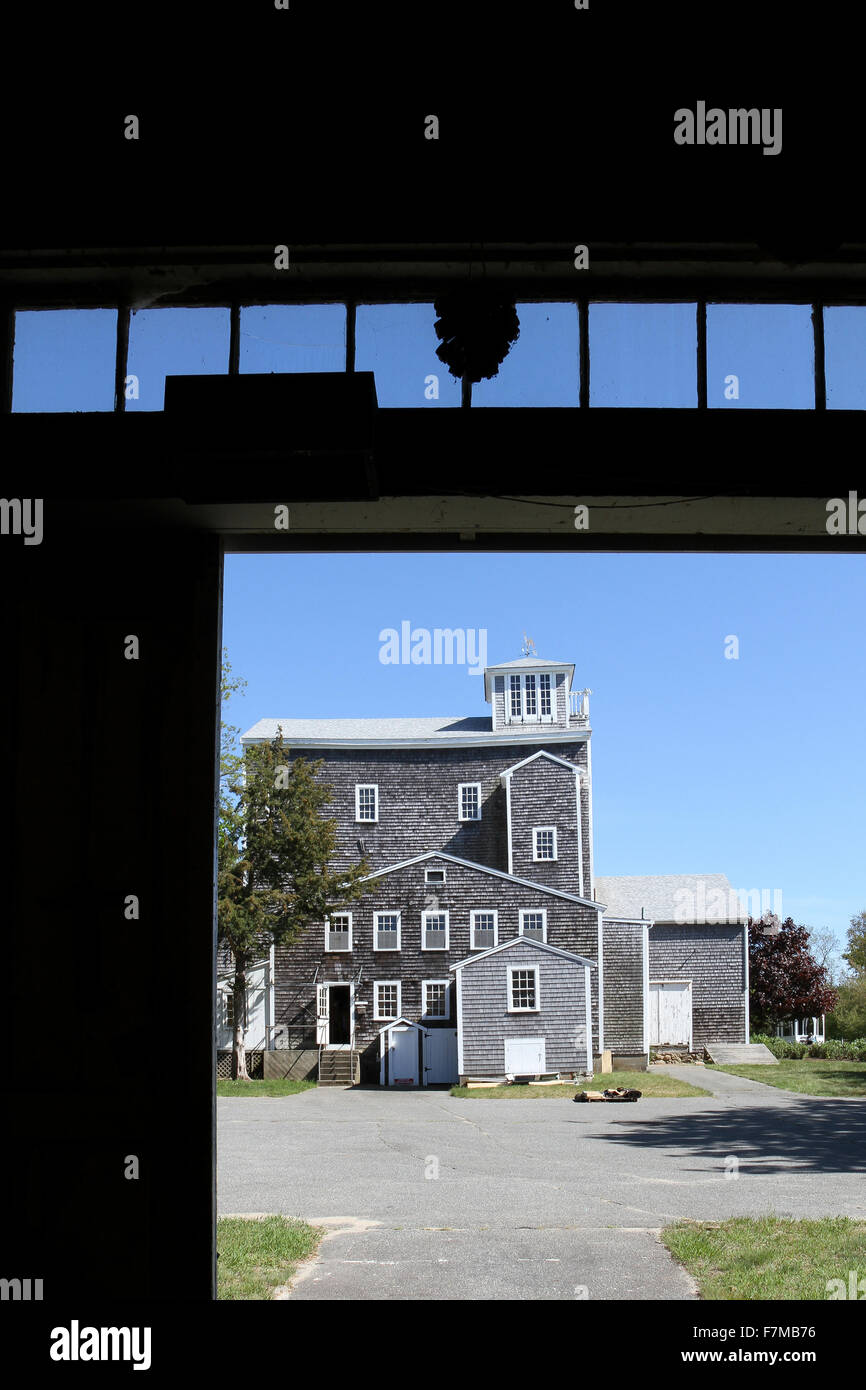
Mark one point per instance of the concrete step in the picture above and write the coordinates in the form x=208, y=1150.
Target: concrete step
x=741, y=1054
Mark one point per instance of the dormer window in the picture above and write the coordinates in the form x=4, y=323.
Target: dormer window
x=530, y=698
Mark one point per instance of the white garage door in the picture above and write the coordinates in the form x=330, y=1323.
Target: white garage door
x=525, y=1056
x=670, y=1010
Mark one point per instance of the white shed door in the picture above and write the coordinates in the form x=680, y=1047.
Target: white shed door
x=440, y=1056
x=403, y=1063
x=670, y=1003
x=525, y=1056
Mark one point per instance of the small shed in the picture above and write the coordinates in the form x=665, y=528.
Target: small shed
x=523, y=1007
x=401, y=1053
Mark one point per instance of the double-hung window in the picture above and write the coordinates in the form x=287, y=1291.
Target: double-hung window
x=534, y=924
x=435, y=999
x=338, y=932
x=386, y=999
x=523, y=989
x=482, y=929
x=386, y=931
x=544, y=842
x=434, y=931
x=366, y=802
x=469, y=801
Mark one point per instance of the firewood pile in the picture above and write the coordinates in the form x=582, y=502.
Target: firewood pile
x=613, y=1093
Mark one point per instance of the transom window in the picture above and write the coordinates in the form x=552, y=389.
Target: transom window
x=482, y=930
x=469, y=801
x=534, y=924
x=530, y=697
x=386, y=994
x=522, y=988
x=366, y=802
x=338, y=932
x=386, y=931
x=434, y=999
x=544, y=842
x=434, y=931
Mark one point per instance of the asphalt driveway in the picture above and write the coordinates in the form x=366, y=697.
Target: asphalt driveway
x=425, y=1196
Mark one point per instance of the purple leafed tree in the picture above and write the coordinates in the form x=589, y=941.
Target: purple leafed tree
x=785, y=981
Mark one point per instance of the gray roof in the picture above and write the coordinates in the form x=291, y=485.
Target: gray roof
x=433, y=729
x=671, y=897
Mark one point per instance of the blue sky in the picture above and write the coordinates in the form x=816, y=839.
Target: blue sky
x=751, y=767
x=640, y=354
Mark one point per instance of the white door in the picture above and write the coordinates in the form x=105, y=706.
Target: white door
x=440, y=1056
x=256, y=1037
x=403, y=1062
x=670, y=1010
x=321, y=1015
x=525, y=1056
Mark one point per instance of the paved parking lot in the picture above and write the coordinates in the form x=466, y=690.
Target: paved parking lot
x=427, y=1196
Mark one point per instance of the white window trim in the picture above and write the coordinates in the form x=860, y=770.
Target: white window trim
x=439, y=870
x=435, y=912
x=487, y=912
x=511, y=1006
x=523, y=717
x=328, y=947
x=447, y=1013
x=535, y=912
x=385, y=1018
x=460, y=787
x=544, y=858
x=365, y=787
x=387, y=912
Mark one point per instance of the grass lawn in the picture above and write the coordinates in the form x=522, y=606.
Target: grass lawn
x=257, y=1256
x=649, y=1083
x=275, y=1087
x=816, y=1076
x=766, y=1257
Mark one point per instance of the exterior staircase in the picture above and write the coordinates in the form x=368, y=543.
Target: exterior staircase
x=338, y=1068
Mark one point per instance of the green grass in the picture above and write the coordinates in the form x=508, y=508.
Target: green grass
x=276, y=1087
x=767, y=1257
x=813, y=1076
x=257, y=1256
x=647, y=1082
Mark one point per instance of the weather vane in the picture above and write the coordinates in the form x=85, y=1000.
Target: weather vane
x=528, y=648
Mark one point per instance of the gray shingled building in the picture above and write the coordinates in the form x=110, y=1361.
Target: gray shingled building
x=485, y=945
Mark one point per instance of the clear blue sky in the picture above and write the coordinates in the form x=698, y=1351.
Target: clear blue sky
x=753, y=768
x=640, y=354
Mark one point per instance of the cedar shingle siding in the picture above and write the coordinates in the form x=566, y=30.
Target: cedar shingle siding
x=712, y=958
x=560, y=1019
x=571, y=926
x=418, y=771
x=623, y=987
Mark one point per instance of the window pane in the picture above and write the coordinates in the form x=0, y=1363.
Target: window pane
x=643, y=355
x=293, y=338
x=64, y=359
x=543, y=364
x=174, y=342
x=760, y=356
x=845, y=357
x=398, y=343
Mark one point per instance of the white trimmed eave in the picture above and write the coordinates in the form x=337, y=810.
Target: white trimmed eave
x=523, y=941
x=491, y=740
x=482, y=868
x=551, y=757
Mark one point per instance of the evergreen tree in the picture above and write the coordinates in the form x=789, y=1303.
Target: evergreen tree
x=275, y=876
